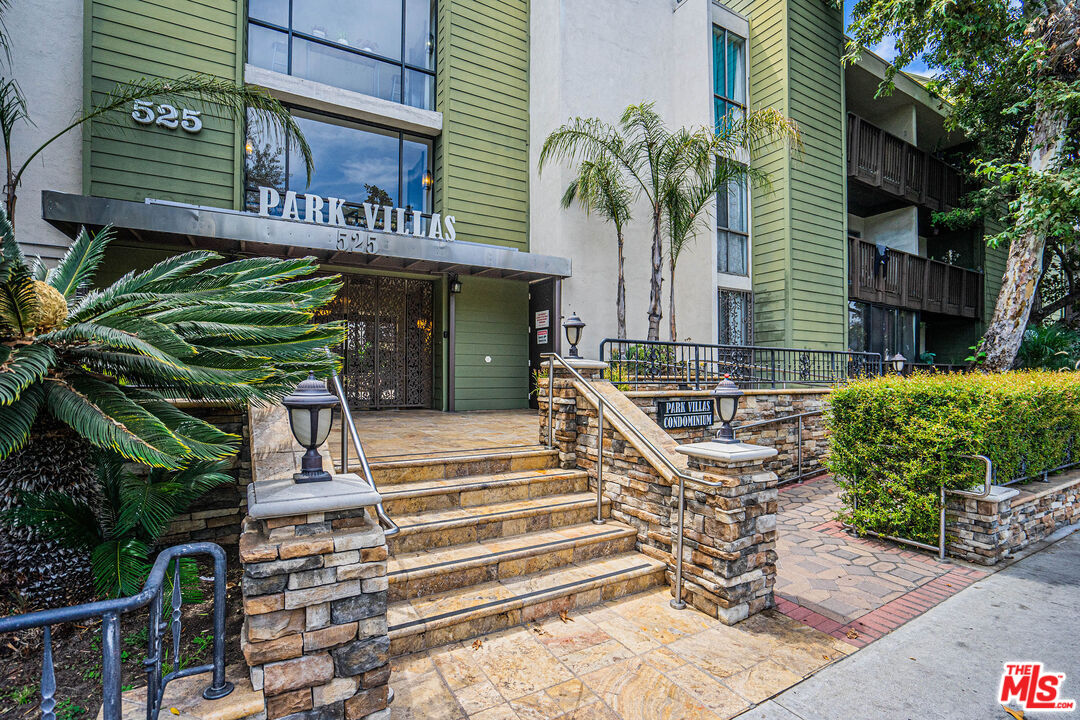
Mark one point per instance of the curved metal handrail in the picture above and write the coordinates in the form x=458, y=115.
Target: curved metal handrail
x=110, y=611
x=389, y=525
x=600, y=403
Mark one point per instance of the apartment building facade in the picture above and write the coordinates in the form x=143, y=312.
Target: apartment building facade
x=425, y=118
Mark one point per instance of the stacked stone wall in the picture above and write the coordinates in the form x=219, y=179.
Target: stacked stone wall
x=758, y=405
x=987, y=531
x=315, y=631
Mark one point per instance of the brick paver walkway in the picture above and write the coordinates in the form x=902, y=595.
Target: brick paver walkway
x=856, y=589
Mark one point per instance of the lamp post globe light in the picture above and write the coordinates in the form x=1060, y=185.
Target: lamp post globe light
x=573, y=326
x=898, y=361
x=311, y=409
x=726, y=396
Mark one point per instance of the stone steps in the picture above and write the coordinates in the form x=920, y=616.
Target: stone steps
x=442, y=494
x=457, y=526
x=436, y=466
x=464, y=613
x=418, y=574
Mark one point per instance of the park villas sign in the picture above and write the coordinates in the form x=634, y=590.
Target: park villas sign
x=399, y=221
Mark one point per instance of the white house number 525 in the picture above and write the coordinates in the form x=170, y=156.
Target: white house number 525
x=166, y=116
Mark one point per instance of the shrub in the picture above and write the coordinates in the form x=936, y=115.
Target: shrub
x=1049, y=347
x=897, y=441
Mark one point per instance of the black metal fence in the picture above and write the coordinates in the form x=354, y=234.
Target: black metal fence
x=110, y=611
x=654, y=363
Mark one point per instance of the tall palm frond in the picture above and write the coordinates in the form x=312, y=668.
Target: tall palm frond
x=241, y=103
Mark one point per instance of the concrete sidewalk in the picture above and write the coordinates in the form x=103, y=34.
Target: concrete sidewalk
x=948, y=662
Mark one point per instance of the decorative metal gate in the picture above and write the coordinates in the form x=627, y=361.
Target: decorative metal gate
x=387, y=352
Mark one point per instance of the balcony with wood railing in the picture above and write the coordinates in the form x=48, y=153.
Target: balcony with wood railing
x=882, y=160
x=912, y=282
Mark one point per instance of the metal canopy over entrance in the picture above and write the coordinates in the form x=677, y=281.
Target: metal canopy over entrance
x=388, y=346
x=160, y=223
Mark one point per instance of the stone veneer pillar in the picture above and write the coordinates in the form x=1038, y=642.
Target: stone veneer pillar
x=315, y=634
x=564, y=414
x=729, y=550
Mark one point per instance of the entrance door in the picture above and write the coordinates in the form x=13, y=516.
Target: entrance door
x=387, y=353
x=543, y=328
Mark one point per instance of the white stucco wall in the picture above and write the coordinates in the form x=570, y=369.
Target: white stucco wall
x=898, y=229
x=592, y=58
x=47, y=60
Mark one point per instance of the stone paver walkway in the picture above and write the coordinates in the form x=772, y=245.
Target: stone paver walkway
x=854, y=588
x=629, y=659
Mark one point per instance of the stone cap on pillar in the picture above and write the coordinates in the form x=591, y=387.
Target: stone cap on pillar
x=281, y=496
x=719, y=453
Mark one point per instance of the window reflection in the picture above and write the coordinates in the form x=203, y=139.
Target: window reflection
x=354, y=162
x=383, y=48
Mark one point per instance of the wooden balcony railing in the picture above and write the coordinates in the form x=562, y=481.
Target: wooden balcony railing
x=912, y=282
x=880, y=159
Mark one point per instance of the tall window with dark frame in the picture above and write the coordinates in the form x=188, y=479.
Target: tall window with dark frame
x=736, y=311
x=357, y=162
x=729, y=101
x=382, y=48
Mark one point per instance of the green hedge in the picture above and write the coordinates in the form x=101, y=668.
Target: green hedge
x=900, y=439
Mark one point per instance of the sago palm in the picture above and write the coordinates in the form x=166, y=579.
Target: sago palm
x=600, y=187
x=119, y=527
x=86, y=367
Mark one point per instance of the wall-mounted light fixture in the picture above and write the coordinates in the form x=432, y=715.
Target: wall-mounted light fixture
x=455, y=284
x=427, y=180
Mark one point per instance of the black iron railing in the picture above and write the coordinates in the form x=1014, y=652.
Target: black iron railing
x=636, y=363
x=110, y=612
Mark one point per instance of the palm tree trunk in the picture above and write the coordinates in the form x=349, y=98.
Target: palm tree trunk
x=656, y=278
x=671, y=298
x=620, y=293
x=1024, y=267
x=55, y=460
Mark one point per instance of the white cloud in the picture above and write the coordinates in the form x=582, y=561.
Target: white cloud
x=886, y=49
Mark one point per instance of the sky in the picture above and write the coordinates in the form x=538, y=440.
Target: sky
x=885, y=48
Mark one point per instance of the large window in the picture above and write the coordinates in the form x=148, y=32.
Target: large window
x=358, y=163
x=882, y=329
x=384, y=48
x=729, y=74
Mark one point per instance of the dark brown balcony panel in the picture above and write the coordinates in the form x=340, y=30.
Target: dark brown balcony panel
x=913, y=282
x=882, y=160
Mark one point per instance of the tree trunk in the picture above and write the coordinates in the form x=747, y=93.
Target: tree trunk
x=55, y=460
x=656, y=278
x=620, y=292
x=671, y=299
x=1024, y=266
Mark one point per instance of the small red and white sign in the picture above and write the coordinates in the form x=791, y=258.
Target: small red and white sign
x=1033, y=688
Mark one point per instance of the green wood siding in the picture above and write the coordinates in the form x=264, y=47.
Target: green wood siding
x=799, y=248
x=130, y=39
x=491, y=319
x=994, y=260
x=482, y=90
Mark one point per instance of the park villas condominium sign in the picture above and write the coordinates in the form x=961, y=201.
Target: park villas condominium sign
x=376, y=218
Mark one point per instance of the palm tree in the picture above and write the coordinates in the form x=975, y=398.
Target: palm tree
x=657, y=160
x=711, y=161
x=240, y=102
x=599, y=187
x=82, y=368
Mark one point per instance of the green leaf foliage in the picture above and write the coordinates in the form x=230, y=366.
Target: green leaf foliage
x=895, y=442
x=121, y=528
x=234, y=333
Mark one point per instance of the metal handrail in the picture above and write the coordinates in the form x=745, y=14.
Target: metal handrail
x=600, y=403
x=785, y=418
x=110, y=611
x=391, y=528
x=988, y=481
